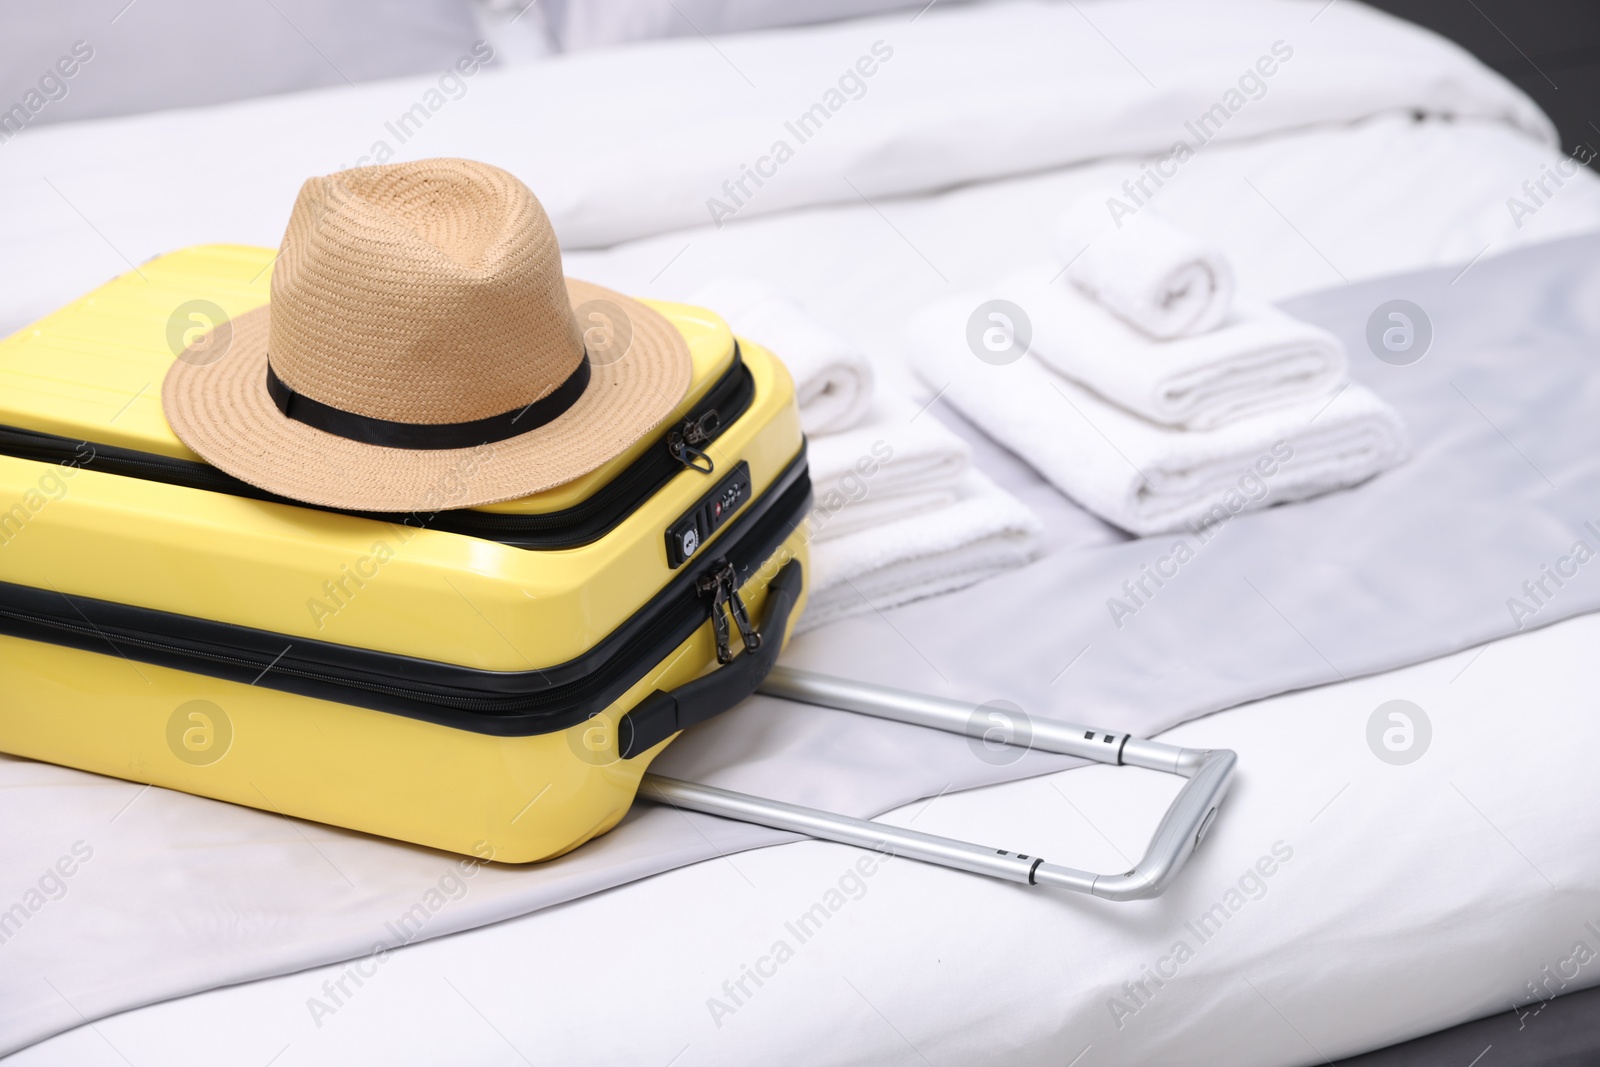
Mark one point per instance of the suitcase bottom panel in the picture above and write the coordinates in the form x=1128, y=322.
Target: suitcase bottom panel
x=510, y=799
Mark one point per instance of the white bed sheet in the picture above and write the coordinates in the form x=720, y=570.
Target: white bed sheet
x=621, y=143
x=1436, y=889
x=1442, y=921
x=1423, y=903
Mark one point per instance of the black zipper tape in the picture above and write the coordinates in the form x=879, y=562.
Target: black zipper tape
x=581, y=524
x=501, y=703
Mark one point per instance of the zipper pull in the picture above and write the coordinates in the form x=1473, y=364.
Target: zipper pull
x=715, y=585
x=684, y=442
x=748, y=633
x=721, y=584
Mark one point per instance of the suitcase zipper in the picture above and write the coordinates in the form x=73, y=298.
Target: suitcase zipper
x=720, y=585
x=539, y=701
x=582, y=523
x=683, y=443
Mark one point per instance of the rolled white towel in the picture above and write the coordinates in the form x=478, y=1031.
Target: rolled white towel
x=832, y=376
x=1257, y=360
x=1160, y=278
x=1135, y=474
x=899, y=463
x=987, y=531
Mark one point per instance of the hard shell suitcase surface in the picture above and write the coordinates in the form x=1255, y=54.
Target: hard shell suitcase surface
x=492, y=681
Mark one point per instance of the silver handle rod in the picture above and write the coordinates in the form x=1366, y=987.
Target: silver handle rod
x=1180, y=832
x=863, y=833
x=1209, y=773
x=977, y=720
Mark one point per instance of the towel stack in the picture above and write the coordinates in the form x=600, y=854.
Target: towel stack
x=900, y=513
x=1148, y=392
x=832, y=377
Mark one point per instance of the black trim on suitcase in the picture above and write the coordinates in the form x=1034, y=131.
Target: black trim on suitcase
x=501, y=703
x=582, y=523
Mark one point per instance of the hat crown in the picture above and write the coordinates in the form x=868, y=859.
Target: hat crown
x=427, y=292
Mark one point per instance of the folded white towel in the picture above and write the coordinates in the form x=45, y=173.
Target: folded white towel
x=1140, y=476
x=1258, y=359
x=832, y=376
x=1158, y=277
x=900, y=462
x=985, y=532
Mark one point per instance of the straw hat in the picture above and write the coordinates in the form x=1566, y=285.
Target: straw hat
x=421, y=352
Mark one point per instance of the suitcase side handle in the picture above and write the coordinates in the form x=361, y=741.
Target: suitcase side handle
x=663, y=713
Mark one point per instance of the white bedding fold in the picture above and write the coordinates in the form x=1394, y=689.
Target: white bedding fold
x=1142, y=477
x=1258, y=360
x=1162, y=279
x=625, y=143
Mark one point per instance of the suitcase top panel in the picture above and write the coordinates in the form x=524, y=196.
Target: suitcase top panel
x=92, y=370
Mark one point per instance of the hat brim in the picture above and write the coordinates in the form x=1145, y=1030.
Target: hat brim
x=221, y=410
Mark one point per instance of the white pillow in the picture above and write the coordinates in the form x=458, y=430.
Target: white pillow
x=582, y=24
x=154, y=54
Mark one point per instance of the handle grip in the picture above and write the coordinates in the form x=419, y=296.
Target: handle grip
x=1209, y=773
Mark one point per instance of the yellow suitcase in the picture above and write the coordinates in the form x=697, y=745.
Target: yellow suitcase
x=492, y=681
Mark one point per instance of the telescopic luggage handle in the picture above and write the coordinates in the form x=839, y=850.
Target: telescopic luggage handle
x=1209, y=771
